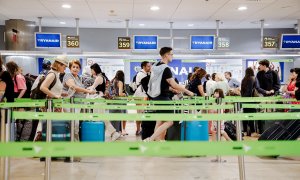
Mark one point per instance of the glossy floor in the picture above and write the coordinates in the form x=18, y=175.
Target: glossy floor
x=157, y=168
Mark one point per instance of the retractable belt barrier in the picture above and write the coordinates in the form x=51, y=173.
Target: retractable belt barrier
x=57, y=149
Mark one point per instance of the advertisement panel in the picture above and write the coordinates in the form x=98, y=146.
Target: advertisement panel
x=147, y=42
x=290, y=41
x=47, y=40
x=201, y=42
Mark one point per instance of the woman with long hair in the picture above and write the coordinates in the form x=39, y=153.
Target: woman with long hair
x=247, y=90
x=118, y=84
x=196, y=84
x=18, y=79
x=100, y=85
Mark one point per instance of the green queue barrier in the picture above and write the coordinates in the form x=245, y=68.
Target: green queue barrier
x=157, y=107
x=84, y=149
x=22, y=104
x=184, y=101
x=272, y=106
x=153, y=117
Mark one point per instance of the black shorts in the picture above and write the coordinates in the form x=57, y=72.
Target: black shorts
x=162, y=98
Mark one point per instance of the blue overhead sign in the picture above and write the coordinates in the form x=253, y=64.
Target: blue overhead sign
x=47, y=40
x=145, y=42
x=203, y=42
x=290, y=41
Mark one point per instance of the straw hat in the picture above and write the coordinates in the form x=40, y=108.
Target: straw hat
x=62, y=59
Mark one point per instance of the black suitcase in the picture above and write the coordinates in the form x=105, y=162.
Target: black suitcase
x=282, y=130
x=230, y=129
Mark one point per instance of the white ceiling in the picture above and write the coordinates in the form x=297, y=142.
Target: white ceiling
x=201, y=13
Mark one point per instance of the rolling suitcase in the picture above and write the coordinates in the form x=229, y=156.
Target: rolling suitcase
x=282, y=130
x=92, y=131
x=194, y=131
x=61, y=131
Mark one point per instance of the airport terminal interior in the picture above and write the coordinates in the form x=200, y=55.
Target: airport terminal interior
x=149, y=89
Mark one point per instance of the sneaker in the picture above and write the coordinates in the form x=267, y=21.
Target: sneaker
x=115, y=136
x=147, y=140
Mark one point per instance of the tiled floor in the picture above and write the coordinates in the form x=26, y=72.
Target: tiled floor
x=157, y=168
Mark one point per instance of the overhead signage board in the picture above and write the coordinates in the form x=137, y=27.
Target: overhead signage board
x=200, y=42
x=290, y=41
x=47, y=40
x=73, y=42
x=223, y=43
x=124, y=43
x=270, y=42
x=145, y=42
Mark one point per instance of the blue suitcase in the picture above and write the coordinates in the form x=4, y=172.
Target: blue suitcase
x=61, y=131
x=194, y=131
x=92, y=131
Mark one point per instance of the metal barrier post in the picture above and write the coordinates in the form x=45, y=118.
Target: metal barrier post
x=5, y=137
x=219, y=102
x=72, y=127
x=48, y=139
x=241, y=162
x=2, y=140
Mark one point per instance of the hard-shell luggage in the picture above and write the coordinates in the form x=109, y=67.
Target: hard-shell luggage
x=282, y=130
x=194, y=131
x=61, y=131
x=92, y=131
x=230, y=129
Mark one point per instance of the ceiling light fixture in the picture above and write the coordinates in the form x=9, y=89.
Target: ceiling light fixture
x=62, y=22
x=154, y=8
x=190, y=25
x=242, y=8
x=141, y=24
x=66, y=6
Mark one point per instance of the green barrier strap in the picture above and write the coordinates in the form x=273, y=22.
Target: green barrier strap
x=272, y=106
x=142, y=101
x=153, y=117
x=57, y=149
x=134, y=107
x=22, y=104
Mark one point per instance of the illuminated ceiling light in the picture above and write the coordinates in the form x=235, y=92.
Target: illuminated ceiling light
x=190, y=25
x=62, y=22
x=66, y=6
x=141, y=24
x=154, y=8
x=242, y=8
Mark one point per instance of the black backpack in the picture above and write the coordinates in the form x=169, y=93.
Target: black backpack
x=36, y=93
x=145, y=82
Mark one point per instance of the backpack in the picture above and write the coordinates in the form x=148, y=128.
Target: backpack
x=145, y=82
x=36, y=93
x=29, y=82
x=133, y=86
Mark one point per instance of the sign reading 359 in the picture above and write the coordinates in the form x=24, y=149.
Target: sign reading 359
x=124, y=43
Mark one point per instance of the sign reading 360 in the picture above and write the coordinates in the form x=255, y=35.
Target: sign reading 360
x=73, y=42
